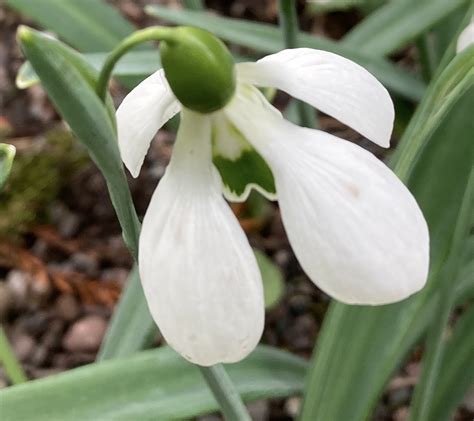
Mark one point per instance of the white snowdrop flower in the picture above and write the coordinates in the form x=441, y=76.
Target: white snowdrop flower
x=355, y=228
x=466, y=37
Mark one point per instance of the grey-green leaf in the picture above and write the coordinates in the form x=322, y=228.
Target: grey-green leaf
x=70, y=81
x=152, y=385
x=456, y=371
x=396, y=23
x=88, y=25
x=272, y=277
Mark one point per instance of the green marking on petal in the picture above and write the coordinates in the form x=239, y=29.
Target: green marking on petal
x=246, y=172
x=240, y=166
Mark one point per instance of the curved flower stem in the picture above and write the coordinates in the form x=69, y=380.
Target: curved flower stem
x=154, y=33
x=225, y=393
x=218, y=380
x=9, y=362
x=289, y=25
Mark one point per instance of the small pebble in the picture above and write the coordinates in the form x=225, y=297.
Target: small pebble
x=300, y=334
x=67, y=222
x=84, y=263
x=299, y=303
x=401, y=414
x=35, y=323
x=23, y=346
x=52, y=337
x=17, y=282
x=6, y=301
x=38, y=295
x=67, y=307
x=85, y=335
x=293, y=406
x=118, y=275
x=72, y=360
x=282, y=257
x=398, y=397
x=39, y=356
x=259, y=410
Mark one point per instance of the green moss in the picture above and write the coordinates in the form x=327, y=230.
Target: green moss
x=36, y=178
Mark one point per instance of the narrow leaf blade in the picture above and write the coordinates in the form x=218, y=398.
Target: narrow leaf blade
x=152, y=385
x=398, y=22
x=89, y=25
x=69, y=82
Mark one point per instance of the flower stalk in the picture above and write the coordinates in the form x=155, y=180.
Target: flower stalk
x=225, y=393
x=154, y=33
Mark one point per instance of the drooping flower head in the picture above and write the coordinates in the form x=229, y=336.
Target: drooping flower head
x=355, y=228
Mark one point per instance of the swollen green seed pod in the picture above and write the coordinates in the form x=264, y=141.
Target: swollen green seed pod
x=199, y=69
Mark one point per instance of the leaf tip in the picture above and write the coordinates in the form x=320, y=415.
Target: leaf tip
x=24, y=33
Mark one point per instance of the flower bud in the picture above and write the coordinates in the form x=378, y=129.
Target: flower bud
x=199, y=69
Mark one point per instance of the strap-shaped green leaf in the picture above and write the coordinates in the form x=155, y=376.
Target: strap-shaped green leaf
x=334, y=5
x=267, y=39
x=88, y=25
x=7, y=153
x=359, y=347
x=69, y=81
x=397, y=22
x=152, y=385
x=456, y=369
x=446, y=291
x=465, y=283
x=272, y=277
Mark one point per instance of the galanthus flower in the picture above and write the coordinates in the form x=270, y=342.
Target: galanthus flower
x=354, y=227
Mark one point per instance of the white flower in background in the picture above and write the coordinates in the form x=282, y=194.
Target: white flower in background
x=466, y=37
x=355, y=228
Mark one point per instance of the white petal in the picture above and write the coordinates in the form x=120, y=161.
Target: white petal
x=199, y=274
x=466, y=38
x=140, y=115
x=355, y=228
x=333, y=84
